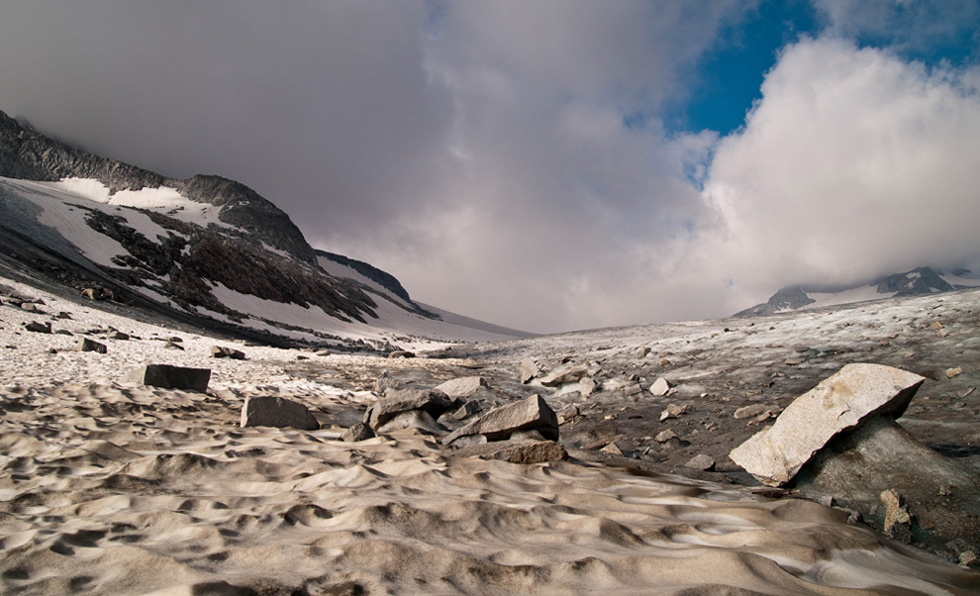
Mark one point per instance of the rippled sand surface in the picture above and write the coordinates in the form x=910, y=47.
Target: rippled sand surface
x=113, y=489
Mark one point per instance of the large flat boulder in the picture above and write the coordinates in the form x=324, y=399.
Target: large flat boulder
x=277, y=412
x=842, y=402
x=166, y=376
x=432, y=401
x=566, y=373
x=516, y=452
x=532, y=413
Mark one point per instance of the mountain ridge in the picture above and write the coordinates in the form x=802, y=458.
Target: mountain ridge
x=206, y=247
x=915, y=282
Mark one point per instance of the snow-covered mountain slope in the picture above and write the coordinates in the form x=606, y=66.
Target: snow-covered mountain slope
x=205, y=248
x=917, y=282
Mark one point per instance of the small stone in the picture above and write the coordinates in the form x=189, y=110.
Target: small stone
x=664, y=362
x=936, y=326
x=529, y=370
x=401, y=354
x=567, y=414
x=794, y=361
x=118, y=335
x=642, y=352
x=90, y=345
x=36, y=327
x=895, y=511
x=358, y=432
x=612, y=449
x=586, y=386
x=672, y=411
x=660, y=387
x=953, y=372
x=171, y=345
x=943, y=333
x=702, y=462
x=383, y=382
x=664, y=436
x=750, y=411
x=633, y=389
x=226, y=352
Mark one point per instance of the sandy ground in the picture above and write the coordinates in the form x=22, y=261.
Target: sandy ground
x=109, y=488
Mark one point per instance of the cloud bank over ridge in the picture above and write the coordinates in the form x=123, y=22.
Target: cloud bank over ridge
x=511, y=162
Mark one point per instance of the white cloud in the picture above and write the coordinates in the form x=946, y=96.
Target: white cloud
x=854, y=163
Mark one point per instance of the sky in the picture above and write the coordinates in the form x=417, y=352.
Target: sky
x=549, y=165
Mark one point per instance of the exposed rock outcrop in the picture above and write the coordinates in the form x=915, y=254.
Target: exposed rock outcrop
x=166, y=376
x=277, y=412
x=842, y=402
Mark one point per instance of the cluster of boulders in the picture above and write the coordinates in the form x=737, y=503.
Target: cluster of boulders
x=584, y=378
x=522, y=432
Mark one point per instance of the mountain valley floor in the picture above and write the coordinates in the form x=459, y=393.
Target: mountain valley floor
x=108, y=487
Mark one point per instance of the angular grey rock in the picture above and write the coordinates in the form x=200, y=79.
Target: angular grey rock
x=529, y=370
x=463, y=386
x=516, y=452
x=586, y=387
x=418, y=419
x=750, y=411
x=357, y=432
x=672, y=411
x=567, y=373
x=498, y=424
x=383, y=382
x=226, y=352
x=432, y=401
x=277, y=412
x=660, y=387
x=701, y=461
x=36, y=327
x=844, y=401
x=467, y=410
x=166, y=376
x=85, y=344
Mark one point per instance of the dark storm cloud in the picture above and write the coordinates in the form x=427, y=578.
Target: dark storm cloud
x=508, y=160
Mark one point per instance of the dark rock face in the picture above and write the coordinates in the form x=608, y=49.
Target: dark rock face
x=29, y=155
x=184, y=264
x=792, y=297
x=166, y=376
x=277, y=412
x=383, y=278
x=917, y=282
x=922, y=280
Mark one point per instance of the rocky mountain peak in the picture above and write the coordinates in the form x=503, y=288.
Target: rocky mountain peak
x=29, y=155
